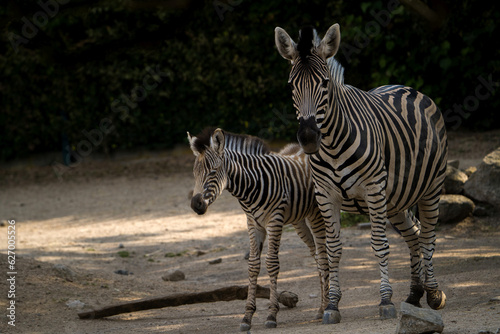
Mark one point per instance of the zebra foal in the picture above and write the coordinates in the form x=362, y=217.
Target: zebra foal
x=273, y=189
x=386, y=147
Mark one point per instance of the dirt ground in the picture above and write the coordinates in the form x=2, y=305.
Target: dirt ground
x=138, y=203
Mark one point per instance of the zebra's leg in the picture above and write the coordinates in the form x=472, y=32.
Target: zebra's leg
x=377, y=207
x=428, y=209
x=409, y=227
x=331, y=217
x=313, y=235
x=319, y=233
x=257, y=238
x=274, y=231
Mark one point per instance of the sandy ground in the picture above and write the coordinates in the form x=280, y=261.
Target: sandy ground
x=140, y=201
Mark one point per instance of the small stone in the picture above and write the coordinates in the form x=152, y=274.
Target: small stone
x=415, y=320
x=121, y=246
x=75, y=304
x=64, y=272
x=2, y=223
x=216, y=261
x=471, y=170
x=123, y=272
x=495, y=299
x=174, y=276
x=247, y=255
x=199, y=252
x=364, y=226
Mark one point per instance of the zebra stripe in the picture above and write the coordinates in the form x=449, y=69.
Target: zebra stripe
x=386, y=147
x=273, y=189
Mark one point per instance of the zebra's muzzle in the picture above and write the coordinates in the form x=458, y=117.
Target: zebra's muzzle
x=309, y=136
x=198, y=204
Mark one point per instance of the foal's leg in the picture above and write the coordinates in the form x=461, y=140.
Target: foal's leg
x=313, y=235
x=257, y=236
x=274, y=231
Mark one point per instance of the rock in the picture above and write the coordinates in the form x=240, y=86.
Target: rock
x=174, y=276
x=484, y=184
x=483, y=210
x=471, y=170
x=453, y=208
x=75, y=304
x=64, y=272
x=199, y=252
x=121, y=246
x=364, y=226
x=123, y=272
x=219, y=260
x=415, y=320
x=495, y=299
x=454, y=181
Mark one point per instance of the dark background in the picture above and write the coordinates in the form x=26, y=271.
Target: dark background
x=87, y=76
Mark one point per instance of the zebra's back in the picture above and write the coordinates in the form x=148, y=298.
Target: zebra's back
x=414, y=143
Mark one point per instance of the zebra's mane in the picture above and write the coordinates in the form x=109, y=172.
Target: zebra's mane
x=336, y=70
x=308, y=40
x=233, y=142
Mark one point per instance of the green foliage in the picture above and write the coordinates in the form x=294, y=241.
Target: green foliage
x=123, y=254
x=351, y=219
x=92, y=62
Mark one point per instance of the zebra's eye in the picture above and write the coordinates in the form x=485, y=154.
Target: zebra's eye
x=325, y=82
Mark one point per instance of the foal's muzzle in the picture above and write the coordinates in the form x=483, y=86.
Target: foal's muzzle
x=198, y=204
x=309, y=136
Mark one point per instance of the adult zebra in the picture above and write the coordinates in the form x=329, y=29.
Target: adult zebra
x=386, y=146
x=273, y=189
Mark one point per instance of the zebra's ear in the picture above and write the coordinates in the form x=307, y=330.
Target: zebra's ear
x=191, y=144
x=286, y=46
x=330, y=43
x=217, y=142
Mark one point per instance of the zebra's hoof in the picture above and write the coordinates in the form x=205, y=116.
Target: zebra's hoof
x=331, y=317
x=436, y=299
x=387, y=311
x=271, y=324
x=244, y=327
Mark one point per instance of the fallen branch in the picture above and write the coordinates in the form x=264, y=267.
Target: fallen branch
x=234, y=292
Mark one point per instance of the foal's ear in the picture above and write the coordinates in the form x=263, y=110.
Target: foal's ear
x=217, y=142
x=330, y=43
x=285, y=44
x=191, y=144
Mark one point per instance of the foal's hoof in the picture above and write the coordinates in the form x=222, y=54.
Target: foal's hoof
x=331, y=317
x=436, y=299
x=244, y=327
x=387, y=311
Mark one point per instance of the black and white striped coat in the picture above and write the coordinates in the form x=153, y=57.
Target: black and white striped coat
x=273, y=189
x=386, y=147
